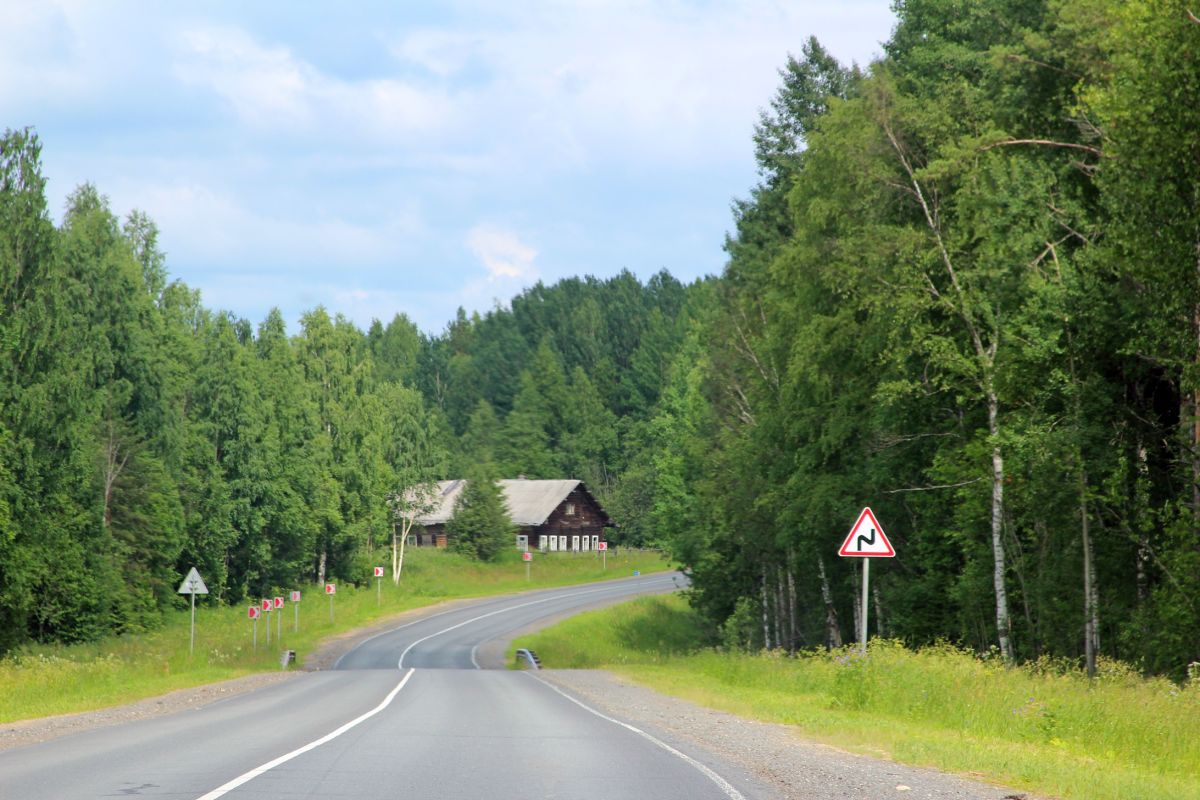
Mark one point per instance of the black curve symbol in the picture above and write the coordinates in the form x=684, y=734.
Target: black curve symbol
x=858, y=543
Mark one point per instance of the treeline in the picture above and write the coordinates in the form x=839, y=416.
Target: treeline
x=141, y=433
x=965, y=291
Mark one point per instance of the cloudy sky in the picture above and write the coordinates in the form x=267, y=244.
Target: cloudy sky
x=384, y=157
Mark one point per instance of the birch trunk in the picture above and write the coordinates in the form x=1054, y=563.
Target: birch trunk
x=858, y=620
x=791, y=586
x=1091, y=622
x=833, y=631
x=878, y=610
x=1003, y=625
x=765, y=613
x=780, y=610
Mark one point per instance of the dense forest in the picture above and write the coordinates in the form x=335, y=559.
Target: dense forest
x=142, y=433
x=965, y=291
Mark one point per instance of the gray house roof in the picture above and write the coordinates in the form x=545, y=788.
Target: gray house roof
x=529, y=502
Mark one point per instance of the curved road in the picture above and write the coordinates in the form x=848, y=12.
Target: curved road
x=410, y=713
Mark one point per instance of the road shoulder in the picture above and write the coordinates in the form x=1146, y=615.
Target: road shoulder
x=773, y=753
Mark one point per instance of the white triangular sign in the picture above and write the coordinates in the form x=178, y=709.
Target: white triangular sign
x=193, y=583
x=866, y=539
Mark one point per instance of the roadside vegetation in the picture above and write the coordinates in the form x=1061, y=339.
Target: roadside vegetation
x=42, y=680
x=963, y=290
x=1043, y=727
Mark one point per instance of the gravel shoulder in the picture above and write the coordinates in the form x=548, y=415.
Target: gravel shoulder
x=773, y=754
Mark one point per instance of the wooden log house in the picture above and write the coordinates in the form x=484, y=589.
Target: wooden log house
x=550, y=515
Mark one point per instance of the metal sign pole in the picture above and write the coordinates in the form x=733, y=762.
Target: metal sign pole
x=331, y=608
x=268, y=613
x=378, y=584
x=256, y=632
x=296, y=627
x=866, y=577
x=279, y=625
x=192, y=584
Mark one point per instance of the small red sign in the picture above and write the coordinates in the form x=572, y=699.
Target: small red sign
x=295, y=597
x=379, y=572
x=527, y=556
x=266, y=605
x=331, y=588
x=601, y=545
x=278, y=602
x=252, y=612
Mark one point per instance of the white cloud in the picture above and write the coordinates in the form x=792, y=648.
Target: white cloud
x=214, y=224
x=502, y=253
x=582, y=85
x=270, y=88
x=294, y=158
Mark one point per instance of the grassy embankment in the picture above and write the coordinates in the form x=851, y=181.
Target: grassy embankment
x=39, y=681
x=1043, y=728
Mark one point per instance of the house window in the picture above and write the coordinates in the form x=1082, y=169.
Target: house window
x=570, y=509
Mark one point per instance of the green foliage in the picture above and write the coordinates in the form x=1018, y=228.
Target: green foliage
x=1044, y=727
x=481, y=526
x=963, y=292
x=49, y=679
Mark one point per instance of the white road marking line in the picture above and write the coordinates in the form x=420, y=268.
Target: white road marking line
x=473, y=660
x=336, y=664
x=722, y=784
x=224, y=789
x=400, y=663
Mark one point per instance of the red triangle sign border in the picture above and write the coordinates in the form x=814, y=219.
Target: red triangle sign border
x=851, y=546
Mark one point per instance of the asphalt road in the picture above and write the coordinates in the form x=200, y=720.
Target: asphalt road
x=411, y=713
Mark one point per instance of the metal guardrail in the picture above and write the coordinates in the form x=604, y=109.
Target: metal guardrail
x=529, y=658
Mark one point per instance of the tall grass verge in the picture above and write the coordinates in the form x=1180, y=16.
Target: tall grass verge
x=1042, y=727
x=38, y=681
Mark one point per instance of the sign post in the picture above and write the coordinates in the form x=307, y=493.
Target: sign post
x=266, y=609
x=193, y=584
x=252, y=612
x=378, y=583
x=296, y=606
x=527, y=557
x=277, y=602
x=331, y=590
x=866, y=540
x=603, y=548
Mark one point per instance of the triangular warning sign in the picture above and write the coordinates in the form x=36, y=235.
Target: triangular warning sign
x=866, y=539
x=193, y=583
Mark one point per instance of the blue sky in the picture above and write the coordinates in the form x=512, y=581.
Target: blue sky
x=384, y=157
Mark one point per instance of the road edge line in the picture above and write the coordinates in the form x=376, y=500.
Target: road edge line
x=725, y=786
x=229, y=786
x=400, y=663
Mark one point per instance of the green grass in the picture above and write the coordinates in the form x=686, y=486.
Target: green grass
x=38, y=681
x=1043, y=727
